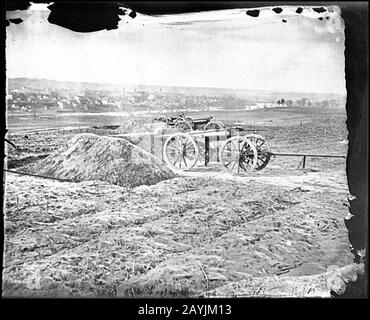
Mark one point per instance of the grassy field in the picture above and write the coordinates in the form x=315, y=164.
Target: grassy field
x=265, y=117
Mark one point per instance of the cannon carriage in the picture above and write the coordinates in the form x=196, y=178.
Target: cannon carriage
x=236, y=149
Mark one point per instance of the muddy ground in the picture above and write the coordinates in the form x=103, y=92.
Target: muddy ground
x=183, y=236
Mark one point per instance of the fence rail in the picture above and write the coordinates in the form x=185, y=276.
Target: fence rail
x=304, y=156
x=307, y=155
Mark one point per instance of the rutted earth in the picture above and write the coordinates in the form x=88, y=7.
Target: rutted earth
x=310, y=179
x=180, y=237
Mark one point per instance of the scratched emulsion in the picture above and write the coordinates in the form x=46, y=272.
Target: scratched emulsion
x=95, y=18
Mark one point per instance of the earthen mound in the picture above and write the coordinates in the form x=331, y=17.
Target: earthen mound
x=91, y=157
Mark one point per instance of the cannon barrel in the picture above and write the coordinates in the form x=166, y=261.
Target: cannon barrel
x=202, y=120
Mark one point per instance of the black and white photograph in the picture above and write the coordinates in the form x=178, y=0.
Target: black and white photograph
x=153, y=150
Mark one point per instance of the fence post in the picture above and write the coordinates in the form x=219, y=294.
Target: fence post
x=304, y=162
x=152, y=143
x=161, y=148
x=206, y=150
x=218, y=145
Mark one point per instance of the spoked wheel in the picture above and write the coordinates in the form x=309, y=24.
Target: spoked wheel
x=238, y=155
x=183, y=126
x=149, y=121
x=162, y=119
x=263, y=150
x=180, y=151
x=214, y=125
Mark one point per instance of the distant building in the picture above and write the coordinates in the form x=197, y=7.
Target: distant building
x=255, y=106
x=215, y=108
x=104, y=100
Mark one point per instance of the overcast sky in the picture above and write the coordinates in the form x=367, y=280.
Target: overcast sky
x=225, y=49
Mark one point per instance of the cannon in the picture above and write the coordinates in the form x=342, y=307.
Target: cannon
x=187, y=124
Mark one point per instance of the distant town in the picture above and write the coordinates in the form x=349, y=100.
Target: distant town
x=42, y=96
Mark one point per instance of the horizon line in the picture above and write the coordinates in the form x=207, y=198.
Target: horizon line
x=181, y=86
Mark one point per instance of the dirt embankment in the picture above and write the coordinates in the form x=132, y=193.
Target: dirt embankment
x=89, y=157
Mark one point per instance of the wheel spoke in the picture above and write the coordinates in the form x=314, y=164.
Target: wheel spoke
x=191, y=152
x=242, y=166
x=185, y=161
x=234, y=165
x=171, y=157
x=235, y=148
x=177, y=143
x=245, y=151
x=176, y=158
x=180, y=143
x=228, y=163
x=181, y=149
x=171, y=148
x=189, y=146
x=171, y=153
x=172, y=143
x=228, y=149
